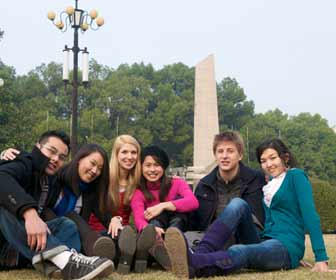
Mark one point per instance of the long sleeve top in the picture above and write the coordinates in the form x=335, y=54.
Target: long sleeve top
x=124, y=211
x=180, y=194
x=291, y=213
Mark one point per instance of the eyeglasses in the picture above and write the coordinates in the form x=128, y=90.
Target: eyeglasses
x=54, y=152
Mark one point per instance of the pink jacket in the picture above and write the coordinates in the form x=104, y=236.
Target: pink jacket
x=180, y=195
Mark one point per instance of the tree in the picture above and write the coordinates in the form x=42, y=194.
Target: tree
x=308, y=137
x=234, y=110
x=157, y=107
x=313, y=144
x=259, y=128
x=7, y=104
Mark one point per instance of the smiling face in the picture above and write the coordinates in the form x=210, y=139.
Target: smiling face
x=90, y=167
x=127, y=156
x=151, y=169
x=56, y=151
x=227, y=157
x=271, y=162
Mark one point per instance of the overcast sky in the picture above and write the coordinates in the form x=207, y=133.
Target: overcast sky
x=283, y=53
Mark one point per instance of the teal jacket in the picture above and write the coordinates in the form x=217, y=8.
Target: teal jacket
x=291, y=213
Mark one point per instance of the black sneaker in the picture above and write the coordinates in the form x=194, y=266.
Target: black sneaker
x=80, y=267
x=127, y=246
x=144, y=243
x=104, y=247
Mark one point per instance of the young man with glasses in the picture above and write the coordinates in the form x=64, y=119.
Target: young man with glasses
x=27, y=189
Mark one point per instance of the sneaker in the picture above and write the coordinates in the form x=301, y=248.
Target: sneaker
x=41, y=260
x=159, y=252
x=104, y=247
x=56, y=274
x=144, y=243
x=127, y=246
x=81, y=267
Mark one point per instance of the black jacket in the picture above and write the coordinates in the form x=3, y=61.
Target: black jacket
x=20, y=187
x=206, y=193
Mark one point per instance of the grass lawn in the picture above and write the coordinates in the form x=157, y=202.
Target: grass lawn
x=297, y=274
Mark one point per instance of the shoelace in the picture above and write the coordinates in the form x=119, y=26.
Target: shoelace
x=80, y=258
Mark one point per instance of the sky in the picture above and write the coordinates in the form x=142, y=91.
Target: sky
x=282, y=53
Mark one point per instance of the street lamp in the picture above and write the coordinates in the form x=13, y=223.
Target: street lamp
x=77, y=19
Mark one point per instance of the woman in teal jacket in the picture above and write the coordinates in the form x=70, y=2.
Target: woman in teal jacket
x=290, y=212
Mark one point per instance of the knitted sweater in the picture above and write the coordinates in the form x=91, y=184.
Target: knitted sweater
x=180, y=194
x=291, y=213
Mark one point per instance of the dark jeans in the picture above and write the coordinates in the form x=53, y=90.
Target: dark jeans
x=63, y=232
x=170, y=219
x=254, y=253
x=87, y=235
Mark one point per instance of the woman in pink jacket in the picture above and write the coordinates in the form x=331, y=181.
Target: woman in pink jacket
x=161, y=200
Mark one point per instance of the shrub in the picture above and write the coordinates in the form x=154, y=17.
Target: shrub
x=325, y=201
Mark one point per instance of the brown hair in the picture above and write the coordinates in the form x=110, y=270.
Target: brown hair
x=232, y=136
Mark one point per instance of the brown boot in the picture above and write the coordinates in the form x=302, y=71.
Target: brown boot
x=127, y=246
x=159, y=252
x=104, y=247
x=144, y=243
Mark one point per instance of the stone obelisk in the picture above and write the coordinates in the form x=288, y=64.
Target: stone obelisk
x=206, y=112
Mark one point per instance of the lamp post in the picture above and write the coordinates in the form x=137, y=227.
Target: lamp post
x=77, y=19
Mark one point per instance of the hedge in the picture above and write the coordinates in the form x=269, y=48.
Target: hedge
x=325, y=201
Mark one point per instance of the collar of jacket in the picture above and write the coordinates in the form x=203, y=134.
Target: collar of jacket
x=246, y=175
x=39, y=160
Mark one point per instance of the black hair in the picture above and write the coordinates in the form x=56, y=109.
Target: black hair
x=284, y=153
x=161, y=157
x=60, y=134
x=101, y=182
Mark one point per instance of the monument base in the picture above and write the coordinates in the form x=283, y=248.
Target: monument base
x=192, y=174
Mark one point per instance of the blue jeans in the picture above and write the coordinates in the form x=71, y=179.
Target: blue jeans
x=63, y=232
x=170, y=219
x=237, y=216
x=269, y=254
x=254, y=252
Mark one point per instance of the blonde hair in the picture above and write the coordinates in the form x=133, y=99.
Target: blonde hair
x=133, y=177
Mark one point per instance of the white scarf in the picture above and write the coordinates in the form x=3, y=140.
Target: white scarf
x=272, y=187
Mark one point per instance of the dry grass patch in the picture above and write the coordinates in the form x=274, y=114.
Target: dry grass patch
x=296, y=274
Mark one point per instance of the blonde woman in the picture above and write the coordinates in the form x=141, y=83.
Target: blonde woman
x=125, y=173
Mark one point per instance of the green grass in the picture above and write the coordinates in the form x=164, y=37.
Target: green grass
x=296, y=274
